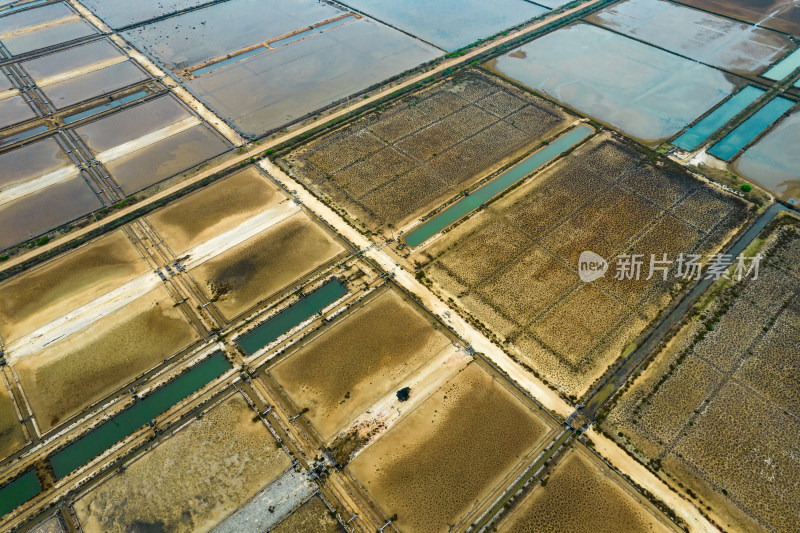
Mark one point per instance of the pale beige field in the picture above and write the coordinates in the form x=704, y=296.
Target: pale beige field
x=259, y=267
x=11, y=436
x=43, y=294
x=311, y=517
x=70, y=375
x=214, y=209
x=357, y=360
x=582, y=494
x=450, y=452
x=192, y=480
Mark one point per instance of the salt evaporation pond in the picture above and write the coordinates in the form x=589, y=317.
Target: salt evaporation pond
x=162, y=154
x=450, y=24
x=314, y=73
x=701, y=36
x=645, y=92
x=784, y=67
x=751, y=128
x=43, y=209
x=104, y=69
x=781, y=15
x=698, y=133
x=58, y=23
x=226, y=28
x=121, y=13
x=14, y=110
x=774, y=161
x=18, y=491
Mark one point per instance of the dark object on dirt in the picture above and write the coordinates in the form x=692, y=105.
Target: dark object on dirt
x=404, y=394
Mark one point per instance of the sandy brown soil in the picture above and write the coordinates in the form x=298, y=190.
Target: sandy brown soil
x=214, y=209
x=257, y=268
x=583, y=494
x=451, y=451
x=70, y=375
x=36, y=297
x=311, y=517
x=646, y=479
x=365, y=355
x=191, y=481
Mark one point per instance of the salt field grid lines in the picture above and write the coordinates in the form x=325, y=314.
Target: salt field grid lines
x=39, y=190
x=317, y=265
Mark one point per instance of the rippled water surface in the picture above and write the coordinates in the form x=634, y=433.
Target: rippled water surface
x=450, y=24
x=646, y=92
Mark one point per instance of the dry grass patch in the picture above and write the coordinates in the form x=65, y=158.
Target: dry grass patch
x=41, y=295
x=190, y=481
x=453, y=450
x=582, y=494
x=362, y=357
x=443, y=138
x=718, y=409
x=70, y=375
x=312, y=517
x=11, y=436
x=214, y=209
x=256, y=269
x=513, y=265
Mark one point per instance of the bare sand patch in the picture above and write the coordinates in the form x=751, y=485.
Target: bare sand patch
x=39, y=296
x=452, y=451
x=70, y=375
x=367, y=354
x=192, y=480
x=257, y=268
x=214, y=209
